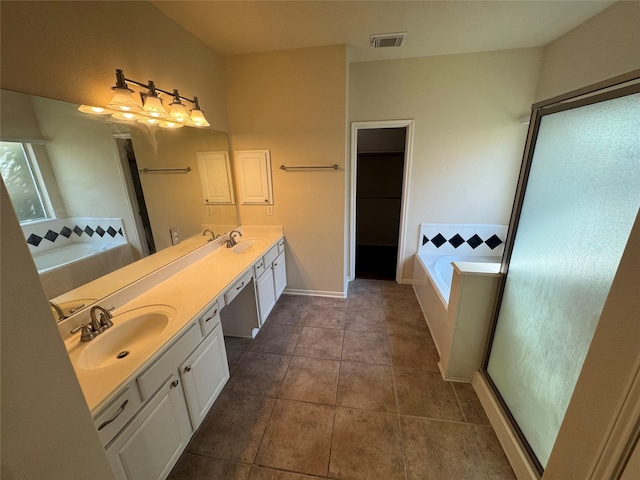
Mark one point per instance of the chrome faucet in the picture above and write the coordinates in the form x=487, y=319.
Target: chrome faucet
x=96, y=326
x=59, y=312
x=213, y=235
x=232, y=241
x=102, y=323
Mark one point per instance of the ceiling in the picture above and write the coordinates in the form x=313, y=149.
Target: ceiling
x=433, y=27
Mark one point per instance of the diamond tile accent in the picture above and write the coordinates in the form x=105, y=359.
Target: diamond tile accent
x=65, y=232
x=120, y=232
x=475, y=241
x=100, y=231
x=111, y=231
x=425, y=240
x=493, y=242
x=438, y=240
x=89, y=231
x=34, y=240
x=51, y=235
x=456, y=240
x=77, y=230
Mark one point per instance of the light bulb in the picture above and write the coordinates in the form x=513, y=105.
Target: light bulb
x=93, y=110
x=171, y=125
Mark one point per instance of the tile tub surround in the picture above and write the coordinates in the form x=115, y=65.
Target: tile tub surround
x=355, y=399
x=59, y=232
x=462, y=239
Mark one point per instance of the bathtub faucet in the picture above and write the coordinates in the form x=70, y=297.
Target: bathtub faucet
x=213, y=235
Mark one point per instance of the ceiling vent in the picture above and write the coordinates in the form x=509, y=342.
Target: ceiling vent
x=384, y=40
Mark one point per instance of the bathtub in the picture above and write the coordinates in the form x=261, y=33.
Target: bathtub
x=457, y=294
x=65, y=268
x=439, y=269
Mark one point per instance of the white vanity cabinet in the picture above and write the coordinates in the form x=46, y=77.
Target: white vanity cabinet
x=168, y=401
x=271, y=279
x=152, y=443
x=204, y=374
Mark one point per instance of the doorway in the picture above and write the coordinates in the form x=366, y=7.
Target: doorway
x=137, y=202
x=379, y=181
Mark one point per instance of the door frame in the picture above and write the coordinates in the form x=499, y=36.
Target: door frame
x=408, y=151
x=137, y=238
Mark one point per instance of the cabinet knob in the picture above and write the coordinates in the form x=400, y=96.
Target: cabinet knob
x=175, y=383
x=187, y=368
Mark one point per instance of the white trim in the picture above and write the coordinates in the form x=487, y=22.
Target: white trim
x=622, y=434
x=511, y=445
x=408, y=153
x=136, y=237
x=314, y=293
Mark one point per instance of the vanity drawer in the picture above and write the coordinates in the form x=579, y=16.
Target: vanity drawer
x=281, y=245
x=209, y=319
x=259, y=267
x=237, y=287
x=271, y=255
x=113, y=418
x=153, y=378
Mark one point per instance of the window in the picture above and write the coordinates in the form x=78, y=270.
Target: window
x=19, y=175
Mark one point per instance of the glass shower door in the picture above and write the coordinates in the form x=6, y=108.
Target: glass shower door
x=579, y=204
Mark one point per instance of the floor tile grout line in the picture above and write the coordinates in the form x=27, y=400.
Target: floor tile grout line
x=464, y=415
x=395, y=392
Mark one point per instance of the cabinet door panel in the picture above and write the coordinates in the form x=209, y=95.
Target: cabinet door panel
x=279, y=275
x=204, y=374
x=253, y=168
x=266, y=294
x=151, y=445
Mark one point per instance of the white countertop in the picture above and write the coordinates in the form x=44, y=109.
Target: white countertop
x=194, y=285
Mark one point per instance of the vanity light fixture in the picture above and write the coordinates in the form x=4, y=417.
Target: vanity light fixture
x=124, y=105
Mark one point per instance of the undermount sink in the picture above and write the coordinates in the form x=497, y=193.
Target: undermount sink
x=134, y=333
x=247, y=245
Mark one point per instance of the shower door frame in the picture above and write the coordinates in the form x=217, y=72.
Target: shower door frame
x=518, y=449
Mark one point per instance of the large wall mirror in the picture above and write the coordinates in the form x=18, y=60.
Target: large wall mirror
x=103, y=203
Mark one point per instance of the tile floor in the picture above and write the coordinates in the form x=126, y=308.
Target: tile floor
x=343, y=389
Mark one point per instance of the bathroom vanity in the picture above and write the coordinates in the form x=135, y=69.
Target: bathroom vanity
x=150, y=380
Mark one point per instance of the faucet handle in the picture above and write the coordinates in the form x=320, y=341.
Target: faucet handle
x=105, y=321
x=88, y=333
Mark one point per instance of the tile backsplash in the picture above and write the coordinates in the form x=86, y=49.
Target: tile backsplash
x=462, y=239
x=55, y=233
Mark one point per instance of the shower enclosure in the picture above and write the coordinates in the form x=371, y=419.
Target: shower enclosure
x=577, y=200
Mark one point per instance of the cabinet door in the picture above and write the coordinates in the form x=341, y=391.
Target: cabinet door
x=204, y=374
x=266, y=294
x=254, y=177
x=152, y=443
x=215, y=177
x=279, y=275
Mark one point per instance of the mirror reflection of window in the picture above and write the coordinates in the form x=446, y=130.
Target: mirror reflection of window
x=20, y=175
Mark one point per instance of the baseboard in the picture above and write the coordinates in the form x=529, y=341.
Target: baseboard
x=314, y=293
x=511, y=445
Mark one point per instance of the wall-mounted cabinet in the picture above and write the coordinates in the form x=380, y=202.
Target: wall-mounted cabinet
x=215, y=177
x=253, y=170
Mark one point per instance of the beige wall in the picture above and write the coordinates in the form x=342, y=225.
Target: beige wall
x=175, y=200
x=69, y=51
x=603, y=47
x=468, y=140
x=47, y=431
x=293, y=103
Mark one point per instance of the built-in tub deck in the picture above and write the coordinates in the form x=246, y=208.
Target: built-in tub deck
x=457, y=294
